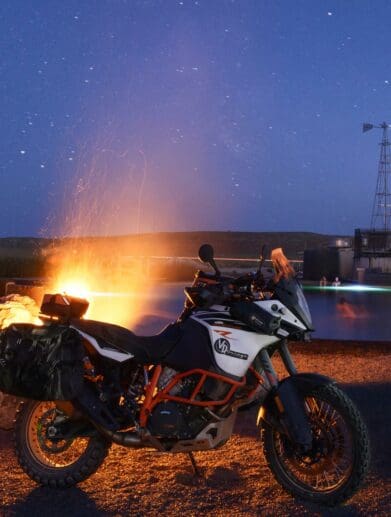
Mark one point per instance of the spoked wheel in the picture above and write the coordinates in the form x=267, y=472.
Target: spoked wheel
x=334, y=468
x=49, y=459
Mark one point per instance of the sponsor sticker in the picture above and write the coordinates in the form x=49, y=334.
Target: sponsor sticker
x=223, y=346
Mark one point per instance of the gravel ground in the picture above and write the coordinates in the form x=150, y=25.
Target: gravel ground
x=235, y=479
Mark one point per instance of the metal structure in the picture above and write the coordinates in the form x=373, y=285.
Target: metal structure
x=381, y=211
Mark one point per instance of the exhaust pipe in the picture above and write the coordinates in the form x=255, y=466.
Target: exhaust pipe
x=101, y=418
x=130, y=439
x=126, y=439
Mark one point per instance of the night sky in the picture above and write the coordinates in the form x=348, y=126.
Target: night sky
x=168, y=115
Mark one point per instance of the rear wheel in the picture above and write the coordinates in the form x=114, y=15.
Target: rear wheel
x=335, y=467
x=52, y=461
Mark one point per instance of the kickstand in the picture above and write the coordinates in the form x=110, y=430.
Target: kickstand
x=194, y=465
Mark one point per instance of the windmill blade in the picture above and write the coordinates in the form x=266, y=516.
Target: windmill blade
x=367, y=127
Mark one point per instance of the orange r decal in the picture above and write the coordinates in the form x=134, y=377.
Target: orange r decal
x=223, y=333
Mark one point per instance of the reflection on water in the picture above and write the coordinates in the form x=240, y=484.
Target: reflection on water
x=355, y=315
x=347, y=315
x=351, y=310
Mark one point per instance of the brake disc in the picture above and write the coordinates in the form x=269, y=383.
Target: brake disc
x=48, y=436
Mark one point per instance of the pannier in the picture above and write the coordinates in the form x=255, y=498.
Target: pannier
x=41, y=363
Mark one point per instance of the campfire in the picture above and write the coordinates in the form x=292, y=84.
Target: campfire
x=91, y=272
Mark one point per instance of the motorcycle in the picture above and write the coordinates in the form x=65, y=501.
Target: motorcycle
x=181, y=390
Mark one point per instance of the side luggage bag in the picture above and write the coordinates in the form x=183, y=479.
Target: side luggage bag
x=41, y=363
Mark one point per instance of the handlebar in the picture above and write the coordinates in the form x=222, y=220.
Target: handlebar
x=250, y=279
x=208, y=290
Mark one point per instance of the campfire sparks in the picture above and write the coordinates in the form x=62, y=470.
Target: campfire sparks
x=100, y=203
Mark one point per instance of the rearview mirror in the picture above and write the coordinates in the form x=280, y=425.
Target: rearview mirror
x=206, y=253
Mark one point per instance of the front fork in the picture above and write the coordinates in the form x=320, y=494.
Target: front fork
x=285, y=407
x=267, y=365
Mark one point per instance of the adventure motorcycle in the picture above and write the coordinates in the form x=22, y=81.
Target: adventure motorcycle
x=180, y=391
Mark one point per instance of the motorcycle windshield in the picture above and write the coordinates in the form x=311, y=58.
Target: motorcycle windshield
x=289, y=291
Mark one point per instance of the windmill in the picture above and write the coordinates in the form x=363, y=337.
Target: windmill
x=381, y=211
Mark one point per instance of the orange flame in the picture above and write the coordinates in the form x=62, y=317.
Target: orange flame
x=100, y=276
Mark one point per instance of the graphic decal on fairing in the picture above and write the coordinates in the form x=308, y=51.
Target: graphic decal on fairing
x=223, y=346
x=224, y=333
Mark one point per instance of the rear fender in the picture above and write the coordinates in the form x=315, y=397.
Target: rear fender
x=284, y=408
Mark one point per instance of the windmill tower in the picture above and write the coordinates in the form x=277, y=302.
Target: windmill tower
x=381, y=211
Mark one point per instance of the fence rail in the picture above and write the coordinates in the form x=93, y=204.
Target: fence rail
x=220, y=259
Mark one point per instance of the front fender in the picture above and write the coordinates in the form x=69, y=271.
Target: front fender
x=306, y=380
x=283, y=407
x=301, y=381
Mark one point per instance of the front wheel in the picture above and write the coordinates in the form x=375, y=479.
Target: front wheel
x=335, y=467
x=57, y=463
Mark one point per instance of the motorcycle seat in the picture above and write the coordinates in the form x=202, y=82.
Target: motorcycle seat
x=145, y=349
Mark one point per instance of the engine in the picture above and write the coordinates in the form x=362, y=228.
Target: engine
x=170, y=419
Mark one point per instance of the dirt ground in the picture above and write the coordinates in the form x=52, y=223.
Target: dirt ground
x=235, y=479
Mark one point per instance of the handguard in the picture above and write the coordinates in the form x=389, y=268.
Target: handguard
x=255, y=317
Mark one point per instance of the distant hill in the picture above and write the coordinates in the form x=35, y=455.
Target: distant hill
x=232, y=244
x=226, y=244
x=29, y=257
